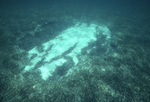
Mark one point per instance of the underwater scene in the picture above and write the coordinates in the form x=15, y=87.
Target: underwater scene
x=74, y=51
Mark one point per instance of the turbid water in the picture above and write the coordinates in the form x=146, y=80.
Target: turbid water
x=74, y=51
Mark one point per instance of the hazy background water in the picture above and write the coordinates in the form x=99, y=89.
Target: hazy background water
x=126, y=76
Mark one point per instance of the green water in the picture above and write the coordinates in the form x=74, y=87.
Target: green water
x=114, y=70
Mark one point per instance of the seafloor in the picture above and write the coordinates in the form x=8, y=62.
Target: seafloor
x=123, y=75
